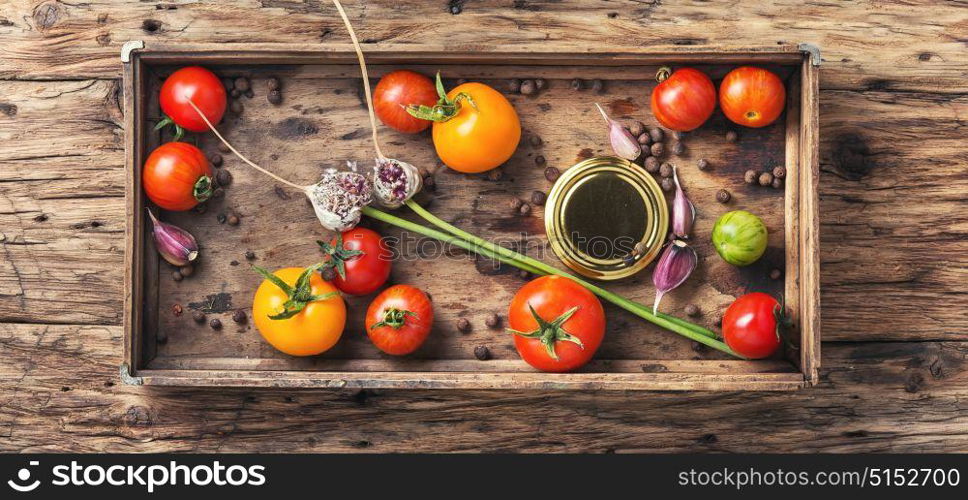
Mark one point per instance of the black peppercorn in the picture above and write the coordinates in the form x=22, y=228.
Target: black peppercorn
x=223, y=177
x=215, y=159
x=777, y=183
x=779, y=172
x=540, y=83
x=538, y=197
x=703, y=164
x=527, y=87
x=238, y=316
x=651, y=165
x=637, y=128
x=552, y=174
x=775, y=274
x=536, y=141
x=539, y=160
x=525, y=209
x=242, y=83
x=751, y=176
x=274, y=97
x=492, y=320
x=731, y=136
x=463, y=325
x=249, y=255
x=482, y=353
x=657, y=134
x=577, y=84
x=766, y=179
x=667, y=184
x=657, y=148
x=328, y=274
x=678, y=148
x=236, y=106
x=198, y=316
x=233, y=220
x=692, y=310
x=187, y=270
x=665, y=170
x=216, y=324
x=514, y=85
x=177, y=276
x=723, y=196
x=272, y=83
x=645, y=139
x=598, y=86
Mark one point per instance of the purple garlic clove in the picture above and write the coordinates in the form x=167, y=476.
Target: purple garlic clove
x=395, y=182
x=683, y=211
x=339, y=197
x=623, y=144
x=174, y=244
x=675, y=265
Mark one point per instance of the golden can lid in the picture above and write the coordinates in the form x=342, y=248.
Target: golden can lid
x=598, y=211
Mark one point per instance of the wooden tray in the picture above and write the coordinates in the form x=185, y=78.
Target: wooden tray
x=322, y=123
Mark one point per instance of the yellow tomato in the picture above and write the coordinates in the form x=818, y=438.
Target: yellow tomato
x=480, y=136
x=315, y=329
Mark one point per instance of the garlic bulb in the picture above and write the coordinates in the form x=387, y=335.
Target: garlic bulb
x=339, y=197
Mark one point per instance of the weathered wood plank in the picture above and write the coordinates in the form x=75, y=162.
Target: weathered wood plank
x=910, y=45
x=879, y=152
x=873, y=397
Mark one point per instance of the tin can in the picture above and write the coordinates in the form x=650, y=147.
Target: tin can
x=599, y=210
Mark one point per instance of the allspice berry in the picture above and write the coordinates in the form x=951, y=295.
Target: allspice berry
x=657, y=134
x=539, y=160
x=775, y=274
x=552, y=174
x=223, y=147
x=186, y=271
x=514, y=85
x=751, y=176
x=463, y=325
x=482, y=353
x=657, y=148
x=223, y=177
x=702, y=164
x=667, y=184
x=766, y=179
x=598, y=86
x=577, y=84
x=238, y=316
x=176, y=276
x=492, y=320
x=525, y=209
x=665, y=170
x=242, y=83
x=651, y=165
x=274, y=97
x=535, y=140
x=777, y=183
x=540, y=83
x=731, y=136
x=678, y=148
x=495, y=174
x=215, y=159
x=637, y=128
x=779, y=172
x=528, y=87
x=198, y=317
x=216, y=324
x=645, y=139
x=692, y=310
x=233, y=220
x=272, y=83
x=249, y=255
x=723, y=196
x=236, y=106
x=538, y=197
x=516, y=204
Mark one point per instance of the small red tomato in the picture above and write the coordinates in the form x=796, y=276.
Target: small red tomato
x=203, y=88
x=750, y=325
x=361, y=258
x=395, y=92
x=753, y=97
x=177, y=176
x=683, y=100
x=399, y=319
x=557, y=324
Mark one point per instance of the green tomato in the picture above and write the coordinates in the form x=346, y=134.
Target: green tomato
x=739, y=237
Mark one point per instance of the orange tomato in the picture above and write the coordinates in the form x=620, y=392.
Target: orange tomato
x=479, y=137
x=313, y=330
x=751, y=96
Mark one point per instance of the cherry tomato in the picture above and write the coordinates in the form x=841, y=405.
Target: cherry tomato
x=753, y=97
x=557, y=324
x=750, y=325
x=683, y=100
x=177, y=176
x=475, y=127
x=399, y=319
x=361, y=258
x=203, y=88
x=310, y=330
x=397, y=90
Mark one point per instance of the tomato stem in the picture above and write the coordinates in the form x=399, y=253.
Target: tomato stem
x=550, y=332
x=394, y=318
x=445, y=109
x=664, y=73
x=202, y=190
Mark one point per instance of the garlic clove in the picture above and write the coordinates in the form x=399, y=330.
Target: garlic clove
x=395, y=182
x=339, y=197
x=622, y=141
x=174, y=244
x=683, y=211
x=675, y=265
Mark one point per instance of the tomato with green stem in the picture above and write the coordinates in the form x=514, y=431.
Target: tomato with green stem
x=557, y=324
x=177, y=176
x=361, y=258
x=399, y=320
x=684, y=99
x=475, y=127
x=751, y=325
x=297, y=312
x=199, y=85
x=397, y=90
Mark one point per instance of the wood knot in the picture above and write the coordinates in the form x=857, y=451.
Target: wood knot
x=137, y=416
x=295, y=128
x=8, y=109
x=856, y=434
x=655, y=368
x=707, y=439
x=46, y=15
x=937, y=369
x=151, y=25
x=852, y=158
x=914, y=382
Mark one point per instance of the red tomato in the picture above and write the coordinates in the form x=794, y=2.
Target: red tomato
x=558, y=324
x=395, y=92
x=399, y=319
x=750, y=325
x=683, y=100
x=753, y=97
x=362, y=260
x=203, y=88
x=177, y=176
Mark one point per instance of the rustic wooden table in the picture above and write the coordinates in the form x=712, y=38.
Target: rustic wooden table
x=894, y=96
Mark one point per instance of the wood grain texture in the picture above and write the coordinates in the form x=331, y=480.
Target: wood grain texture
x=876, y=45
x=872, y=397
